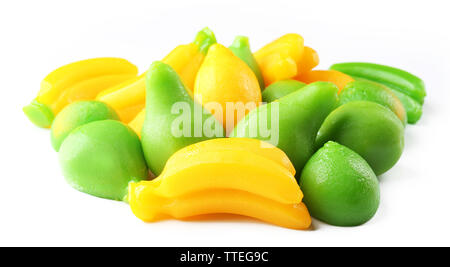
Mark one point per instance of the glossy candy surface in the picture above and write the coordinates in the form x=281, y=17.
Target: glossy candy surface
x=340, y=187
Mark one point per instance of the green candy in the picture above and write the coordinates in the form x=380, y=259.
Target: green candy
x=204, y=39
x=370, y=91
x=412, y=107
x=298, y=116
x=100, y=158
x=241, y=48
x=77, y=114
x=370, y=129
x=39, y=114
x=279, y=89
x=171, y=119
x=393, y=78
x=339, y=186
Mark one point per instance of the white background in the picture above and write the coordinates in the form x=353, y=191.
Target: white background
x=37, y=207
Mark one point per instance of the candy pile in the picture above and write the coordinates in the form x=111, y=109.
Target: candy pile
x=225, y=130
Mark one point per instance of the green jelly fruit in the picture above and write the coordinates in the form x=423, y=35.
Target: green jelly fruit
x=279, y=89
x=77, y=114
x=241, y=48
x=371, y=91
x=370, y=129
x=100, y=158
x=173, y=119
x=292, y=122
x=339, y=186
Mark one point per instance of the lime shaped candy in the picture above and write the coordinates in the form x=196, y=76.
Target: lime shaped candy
x=77, y=114
x=339, y=186
x=100, y=158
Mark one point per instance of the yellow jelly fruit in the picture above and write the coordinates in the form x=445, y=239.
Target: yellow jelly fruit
x=127, y=98
x=279, y=59
x=225, y=79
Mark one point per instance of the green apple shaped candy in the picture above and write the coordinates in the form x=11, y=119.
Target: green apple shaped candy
x=370, y=129
x=100, y=158
x=293, y=121
x=339, y=187
x=77, y=114
x=173, y=119
x=279, y=89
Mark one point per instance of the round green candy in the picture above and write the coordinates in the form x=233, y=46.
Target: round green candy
x=279, y=89
x=100, y=158
x=370, y=129
x=77, y=114
x=339, y=186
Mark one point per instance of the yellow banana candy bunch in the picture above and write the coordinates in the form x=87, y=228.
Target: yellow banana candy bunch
x=226, y=175
x=81, y=80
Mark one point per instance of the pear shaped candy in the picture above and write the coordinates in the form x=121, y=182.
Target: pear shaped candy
x=293, y=120
x=173, y=119
x=227, y=81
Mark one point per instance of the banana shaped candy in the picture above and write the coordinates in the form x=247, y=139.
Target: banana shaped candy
x=227, y=175
x=128, y=99
x=81, y=80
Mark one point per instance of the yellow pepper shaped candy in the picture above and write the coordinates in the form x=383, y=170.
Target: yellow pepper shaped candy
x=280, y=59
x=150, y=207
x=81, y=80
x=224, y=83
x=309, y=60
x=128, y=99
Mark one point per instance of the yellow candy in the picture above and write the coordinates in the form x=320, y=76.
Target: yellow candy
x=279, y=59
x=227, y=175
x=225, y=79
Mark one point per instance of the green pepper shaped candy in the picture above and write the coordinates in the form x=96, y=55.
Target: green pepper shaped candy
x=279, y=89
x=77, y=114
x=370, y=129
x=393, y=78
x=172, y=118
x=293, y=121
x=339, y=187
x=100, y=158
x=241, y=48
x=375, y=92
